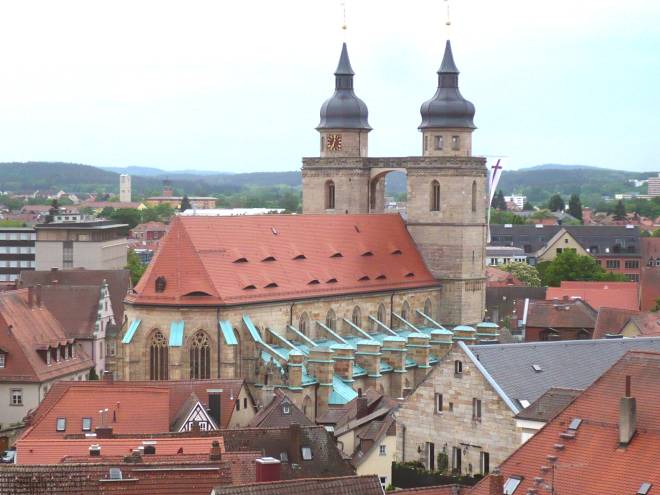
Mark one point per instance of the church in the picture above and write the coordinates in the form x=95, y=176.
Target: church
x=342, y=298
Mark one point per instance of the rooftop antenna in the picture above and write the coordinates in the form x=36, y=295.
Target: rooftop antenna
x=344, y=26
x=448, y=21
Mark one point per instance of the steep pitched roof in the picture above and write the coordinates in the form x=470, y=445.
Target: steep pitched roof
x=566, y=313
x=610, y=321
x=341, y=416
x=650, y=287
x=25, y=332
x=273, y=414
x=348, y=485
x=546, y=407
x=593, y=463
x=623, y=295
x=567, y=364
x=78, y=320
x=648, y=324
x=230, y=260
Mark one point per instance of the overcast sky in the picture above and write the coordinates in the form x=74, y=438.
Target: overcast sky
x=237, y=86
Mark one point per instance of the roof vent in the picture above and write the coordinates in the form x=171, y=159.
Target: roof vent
x=336, y=254
x=271, y=285
x=575, y=424
x=300, y=257
x=409, y=275
x=242, y=259
x=381, y=277
x=269, y=258
x=367, y=253
x=396, y=252
x=357, y=229
x=95, y=450
x=363, y=278
x=250, y=287
x=314, y=281
x=115, y=474
x=537, y=368
x=274, y=230
x=332, y=280
x=644, y=488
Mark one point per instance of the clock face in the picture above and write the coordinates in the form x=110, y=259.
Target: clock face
x=334, y=142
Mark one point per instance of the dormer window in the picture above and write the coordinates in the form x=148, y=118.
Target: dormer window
x=160, y=284
x=286, y=409
x=60, y=424
x=306, y=454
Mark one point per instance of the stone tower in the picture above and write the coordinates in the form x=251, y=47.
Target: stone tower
x=446, y=190
x=124, y=188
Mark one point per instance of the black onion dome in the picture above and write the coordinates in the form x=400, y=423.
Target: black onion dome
x=344, y=110
x=447, y=108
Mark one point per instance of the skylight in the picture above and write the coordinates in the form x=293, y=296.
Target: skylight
x=60, y=425
x=644, y=488
x=511, y=484
x=306, y=454
x=537, y=368
x=524, y=403
x=575, y=424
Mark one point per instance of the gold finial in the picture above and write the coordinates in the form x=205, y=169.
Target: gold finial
x=343, y=26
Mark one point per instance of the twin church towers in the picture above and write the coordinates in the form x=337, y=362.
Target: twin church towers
x=446, y=185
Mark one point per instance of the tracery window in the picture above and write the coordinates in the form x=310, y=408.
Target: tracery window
x=200, y=356
x=158, y=357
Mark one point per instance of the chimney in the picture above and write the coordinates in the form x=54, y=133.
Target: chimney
x=268, y=469
x=104, y=432
x=627, y=416
x=30, y=297
x=107, y=377
x=37, y=293
x=216, y=453
x=496, y=482
x=362, y=406
x=294, y=439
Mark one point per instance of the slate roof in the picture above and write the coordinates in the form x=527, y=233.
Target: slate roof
x=273, y=416
x=624, y=295
x=546, y=407
x=567, y=364
x=603, y=237
x=565, y=313
x=342, y=415
x=119, y=281
x=245, y=259
x=593, y=463
x=25, y=332
x=348, y=485
x=326, y=458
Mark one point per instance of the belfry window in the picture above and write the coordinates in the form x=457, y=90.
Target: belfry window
x=439, y=142
x=474, y=195
x=200, y=356
x=329, y=195
x=435, y=196
x=158, y=365
x=455, y=143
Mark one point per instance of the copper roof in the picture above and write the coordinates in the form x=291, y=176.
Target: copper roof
x=231, y=260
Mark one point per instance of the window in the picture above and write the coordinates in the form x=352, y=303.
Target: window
x=87, y=424
x=559, y=250
x=158, y=357
x=286, y=409
x=438, y=403
x=382, y=450
x=439, y=142
x=382, y=315
x=484, y=462
x=238, y=405
x=458, y=367
x=476, y=409
x=613, y=264
x=303, y=325
x=329, y=195
x=435, y=196
x=450, y=407
x=284, y=457
x=60, y=424
x=200, y=356
x=356, y=318
x=474, y=195
x=306, y=454
x=2, y=359
x=160, y=284
x=67, y=254
x=331, y=320
x=455, y=143
x=405, y=310
x=511, y=484
x=383, y=481
x=631, y=264
x=16, y=397
x=428, y=308
x=426, y=143
x=456, y=459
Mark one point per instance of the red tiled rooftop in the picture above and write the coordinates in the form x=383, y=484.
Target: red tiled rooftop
x=622, y=295
x=610, y=321
x=593, y=463
x=500, y=278
x=225, y=260
x=561, y=314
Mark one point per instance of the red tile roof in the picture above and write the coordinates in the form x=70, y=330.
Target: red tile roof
x=561, y=314
x=610, y=321
x=54, y=450
x=499, y=278
x=226, y=260
x=273, y=416
x=650, y=287
x=647, y=323
x=24, y=331
x=435, y=490
x=622, y=295
x=593, y=463
x=347, y=485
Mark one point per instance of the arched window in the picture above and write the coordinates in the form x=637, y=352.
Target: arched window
x=435, y=196
x=356, y=318
x=331, y=320
x=382, y=314
x=307, y=406
x=329, y=195
x=303, y=325
x=405, y=310
x=428, y=308
x=474, y=195
x=158, y=365
x=200, y=356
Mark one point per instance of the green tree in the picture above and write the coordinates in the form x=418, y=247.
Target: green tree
x=575, y=207
x=131, y=216
x=620, y=211
x=52, y=211
x=185, y=203
x=568, y=265
x=527, y=206
x=504, y=217
x=11, y=203
x=541, y=214
x=556, y=203
x=527, y=274
x=135, y=266
x=11, y=223
x=498, y=201
x=656, y=233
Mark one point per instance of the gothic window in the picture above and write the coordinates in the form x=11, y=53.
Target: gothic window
x=158, y=366
x=303, y=326
x=428, y=308
x=331, y=320
x=200, y=356
x=329, y=195
x=356, y=318
x=405, y=310
x=435, y=196
x=307, y=406
x=382, y=315
x=474, y=195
